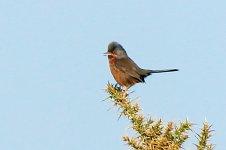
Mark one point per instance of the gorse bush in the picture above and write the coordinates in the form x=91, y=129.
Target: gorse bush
x=152, y=134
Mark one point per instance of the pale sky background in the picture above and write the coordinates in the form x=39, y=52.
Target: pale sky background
x=53, y=71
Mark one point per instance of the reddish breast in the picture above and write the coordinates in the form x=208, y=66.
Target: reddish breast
x=114, y=70
x=122, y=78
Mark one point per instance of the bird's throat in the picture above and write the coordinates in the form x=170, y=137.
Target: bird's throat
x=111, y=59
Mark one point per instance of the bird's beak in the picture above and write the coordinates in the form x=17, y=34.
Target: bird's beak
x=108, y=53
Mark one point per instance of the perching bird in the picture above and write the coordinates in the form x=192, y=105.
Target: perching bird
x=125, y=71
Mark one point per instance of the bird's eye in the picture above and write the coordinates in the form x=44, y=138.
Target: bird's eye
x=115, y=52
x=118, y=52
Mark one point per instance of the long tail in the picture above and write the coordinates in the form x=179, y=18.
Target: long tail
x=161, y=71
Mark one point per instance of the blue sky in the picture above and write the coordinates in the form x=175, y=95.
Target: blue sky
x=53, y=71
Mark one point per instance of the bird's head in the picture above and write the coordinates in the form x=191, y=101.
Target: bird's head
x=116, y=51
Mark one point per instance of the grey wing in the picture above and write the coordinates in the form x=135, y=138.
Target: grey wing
x=129, y=67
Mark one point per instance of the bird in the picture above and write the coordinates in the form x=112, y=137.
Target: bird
x=124, y=70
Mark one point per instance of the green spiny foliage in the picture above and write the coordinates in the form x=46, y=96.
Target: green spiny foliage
x=152, y=134
x=203, y=138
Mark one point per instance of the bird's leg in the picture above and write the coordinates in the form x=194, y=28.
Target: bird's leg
x=124, y=92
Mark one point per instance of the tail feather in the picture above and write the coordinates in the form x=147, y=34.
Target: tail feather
x=161, y=71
